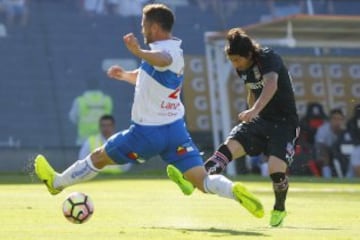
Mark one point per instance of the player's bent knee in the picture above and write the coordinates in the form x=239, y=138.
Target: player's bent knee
x=100, y=158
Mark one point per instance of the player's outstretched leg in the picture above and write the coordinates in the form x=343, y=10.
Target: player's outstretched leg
x=79, y=171
x=216, y=184
x=177, y=177
x=224, y=187
x=46, y=174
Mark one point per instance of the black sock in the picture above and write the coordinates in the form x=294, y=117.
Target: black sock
x=225, y=150
x=217, y=163
x=280, y=186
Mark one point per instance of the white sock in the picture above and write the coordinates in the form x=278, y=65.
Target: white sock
x=80, y=171
x=326, y=172
x=220, y=185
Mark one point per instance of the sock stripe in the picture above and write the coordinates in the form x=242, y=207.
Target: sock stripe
x=90, y=164
x=221, y=159
x=206, y=188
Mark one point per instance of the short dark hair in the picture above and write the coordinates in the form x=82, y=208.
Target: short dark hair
x=336, y=111
x=239, y=43
x=161, y=14
x=107, y=117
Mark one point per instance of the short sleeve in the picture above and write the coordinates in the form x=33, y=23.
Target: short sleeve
x=165, y=50
x=269, y=61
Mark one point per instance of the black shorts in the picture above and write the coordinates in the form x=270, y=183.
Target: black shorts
x=267, y=137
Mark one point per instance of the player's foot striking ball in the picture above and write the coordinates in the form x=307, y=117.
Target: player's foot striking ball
x=46, y=173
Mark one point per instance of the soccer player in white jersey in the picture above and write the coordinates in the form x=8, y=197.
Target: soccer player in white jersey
x=158, y=127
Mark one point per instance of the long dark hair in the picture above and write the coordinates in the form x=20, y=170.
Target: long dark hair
x=239, y=43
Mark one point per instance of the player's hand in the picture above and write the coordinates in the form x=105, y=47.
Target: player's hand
x=115, y=72
x=132, y=43
x=248, y=115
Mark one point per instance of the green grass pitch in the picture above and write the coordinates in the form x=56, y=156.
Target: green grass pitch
x=130, y=208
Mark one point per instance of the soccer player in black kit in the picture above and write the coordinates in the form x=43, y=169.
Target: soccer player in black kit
x=269, y=125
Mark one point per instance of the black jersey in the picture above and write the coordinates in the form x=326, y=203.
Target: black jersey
x=282, y=105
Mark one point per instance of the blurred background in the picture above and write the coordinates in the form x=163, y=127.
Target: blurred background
x=54, y=54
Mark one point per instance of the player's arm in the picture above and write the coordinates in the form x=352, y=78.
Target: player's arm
x=119, y=73
x=250, y=98
x=153, y=57
x=270, y=86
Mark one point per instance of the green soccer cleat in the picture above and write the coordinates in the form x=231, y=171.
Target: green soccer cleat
x=46, y=173
x=248, y=200
x=177, y=177
x=277, y=218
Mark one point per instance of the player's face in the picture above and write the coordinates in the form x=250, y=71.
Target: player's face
x=239, y=62
x=107, y=128
x=146, y=29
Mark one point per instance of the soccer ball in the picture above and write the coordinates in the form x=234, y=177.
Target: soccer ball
x=78, y=207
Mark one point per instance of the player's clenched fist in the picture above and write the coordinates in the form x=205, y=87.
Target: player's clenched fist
x=131, y=43
x=115, y=72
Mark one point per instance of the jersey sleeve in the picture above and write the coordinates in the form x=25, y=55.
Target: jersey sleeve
x=269, y=62
x=166, y=51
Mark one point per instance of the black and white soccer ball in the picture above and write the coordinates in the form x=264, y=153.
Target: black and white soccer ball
x=78, y=207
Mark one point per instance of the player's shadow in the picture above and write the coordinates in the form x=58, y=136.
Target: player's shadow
x=216, y=231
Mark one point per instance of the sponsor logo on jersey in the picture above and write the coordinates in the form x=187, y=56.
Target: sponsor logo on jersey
x=256, y=85
x=257, y=73
x=243, y=77
x=169, y=105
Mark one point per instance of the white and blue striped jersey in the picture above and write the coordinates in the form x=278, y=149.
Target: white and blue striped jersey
x=157, y=91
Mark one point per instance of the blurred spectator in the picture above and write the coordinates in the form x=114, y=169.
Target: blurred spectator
x=353, y=125
x=106, y=130
x=325, y=138
x=355, y=161
x=309, y=124
x=354, y=130
x=312, y=120
x=16, y=11
x=342, y=151
x=86, y=111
